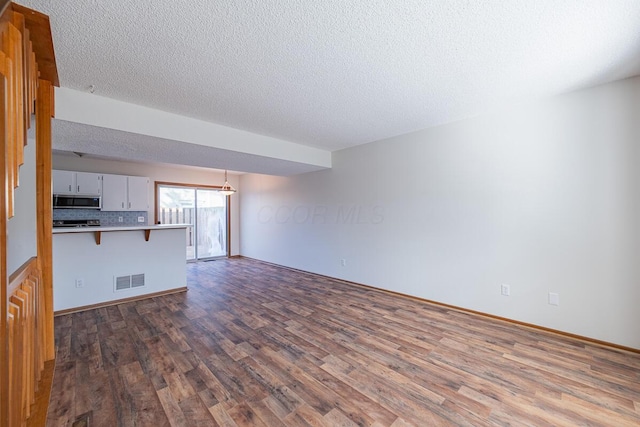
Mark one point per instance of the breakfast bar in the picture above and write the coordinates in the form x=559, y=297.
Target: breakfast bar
x=95, y=266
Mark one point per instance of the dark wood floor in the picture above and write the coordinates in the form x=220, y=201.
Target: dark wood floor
x=252, y=344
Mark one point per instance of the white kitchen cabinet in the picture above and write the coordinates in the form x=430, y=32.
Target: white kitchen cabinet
x=63, y=182
x=125, y=193
x=114, y=192
x=69, y=182
x=88, y=183
x=137, y=193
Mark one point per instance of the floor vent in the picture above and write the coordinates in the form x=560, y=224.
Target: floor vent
x=122, y=283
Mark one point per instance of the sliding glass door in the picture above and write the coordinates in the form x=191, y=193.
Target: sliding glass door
x=206, y=212
x=211, y=224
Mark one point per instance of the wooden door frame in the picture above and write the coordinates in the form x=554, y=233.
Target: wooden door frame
x=212, y=187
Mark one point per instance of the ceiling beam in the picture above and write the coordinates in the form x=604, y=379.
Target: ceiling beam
x=100, y=112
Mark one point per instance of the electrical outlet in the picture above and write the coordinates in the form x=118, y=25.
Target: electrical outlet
x=343, y=262
x=140, y=219
x=79, y=283
x=554, y=299
x=505, y=290
x=120, y=219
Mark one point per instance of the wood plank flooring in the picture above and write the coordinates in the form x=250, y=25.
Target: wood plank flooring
x=251, y=344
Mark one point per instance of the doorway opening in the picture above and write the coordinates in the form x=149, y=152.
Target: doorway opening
x=204, y=210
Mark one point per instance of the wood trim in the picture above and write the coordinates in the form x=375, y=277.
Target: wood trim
x=21, y=273
x=4, y=188
x=26, y=310
x=3, y=5
x=119, y=301
x=44, y=207
x=39, y=28
x=6, y=69
x=25, y=347
x=177, y=184
x=464, y=310
x=39, y=408
x=180, y=184
x=18, y=46
x=157, y=185
x=11, y=417
x=528, y=325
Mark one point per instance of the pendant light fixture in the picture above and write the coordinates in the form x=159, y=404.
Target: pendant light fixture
x=227, y=189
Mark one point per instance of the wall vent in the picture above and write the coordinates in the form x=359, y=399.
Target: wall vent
x=137, y=280
x=121, y=283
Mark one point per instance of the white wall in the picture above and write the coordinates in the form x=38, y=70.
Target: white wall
x=165, y=173
x=120, y=253
x=543, y=197
x=21, y=229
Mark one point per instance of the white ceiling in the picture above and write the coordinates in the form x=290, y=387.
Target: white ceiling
x=336, y=73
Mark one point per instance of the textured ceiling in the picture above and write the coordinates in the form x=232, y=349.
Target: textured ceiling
x=336, y=73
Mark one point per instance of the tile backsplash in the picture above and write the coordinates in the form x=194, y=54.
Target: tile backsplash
x=106, y=218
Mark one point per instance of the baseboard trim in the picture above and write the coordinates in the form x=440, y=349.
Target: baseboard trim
x=40, y=406
x=118, y=301
x=465, y=310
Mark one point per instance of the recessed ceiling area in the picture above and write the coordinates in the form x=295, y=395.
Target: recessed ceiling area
x=335, y=74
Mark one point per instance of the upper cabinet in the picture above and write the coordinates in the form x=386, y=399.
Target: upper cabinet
x=125, y=193
x=119, y=192
x=137, y=193
x=68, y=182
x=63, y=182
x=114, y=197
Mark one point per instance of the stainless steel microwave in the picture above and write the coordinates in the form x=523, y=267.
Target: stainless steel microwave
x=66, y=201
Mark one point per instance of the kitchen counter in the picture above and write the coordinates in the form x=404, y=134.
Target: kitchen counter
x=99, y=230
x=94, y=266
x=60, y=230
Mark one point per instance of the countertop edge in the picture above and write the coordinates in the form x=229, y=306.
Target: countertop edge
x=65, y=230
